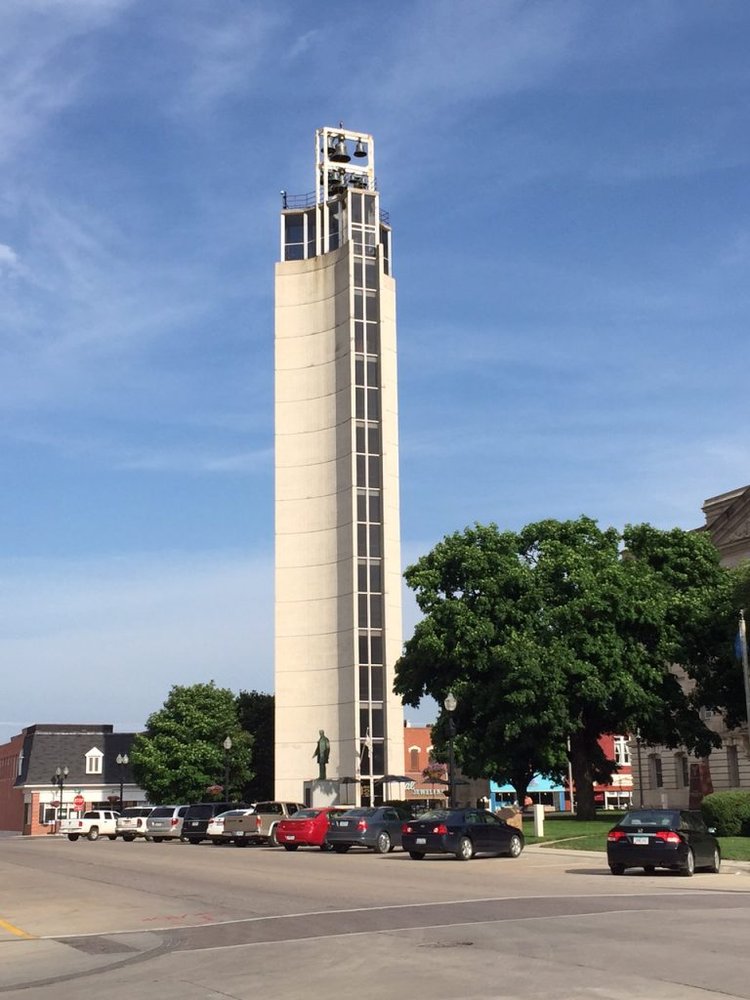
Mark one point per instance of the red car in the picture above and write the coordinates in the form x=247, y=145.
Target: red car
x=307, y=828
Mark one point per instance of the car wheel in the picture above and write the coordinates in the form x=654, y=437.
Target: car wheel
x=290, y=847
x=240, y=842
x=515, y=846
x=325, y=846
x=416, y=855
x=465, y=850
x=715, y=865
x=649, y=869
x=273, y=840
x=193, y=840
x=112, y=836
x=93, y=833
x=688, y=868
x=617, y=869
x=158, y=840
x=341, y=848
x=72, y=836
x=128, y=838
x=383, y=843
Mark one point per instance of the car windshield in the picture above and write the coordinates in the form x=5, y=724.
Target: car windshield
x=657, y=818
x=357, y=813
x=434, y=814
x=135, y=811
x=234, y=812
x=306, y=814
x=162, y=811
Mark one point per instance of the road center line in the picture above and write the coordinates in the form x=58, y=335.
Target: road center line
x=12, y=929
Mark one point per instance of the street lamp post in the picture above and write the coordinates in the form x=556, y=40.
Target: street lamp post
x=227, y=747
x=640, y=769
x=122, y=760
x=58, y=780
x=450, y=707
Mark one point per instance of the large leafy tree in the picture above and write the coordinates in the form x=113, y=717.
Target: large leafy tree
x=181, y=755
x=256, y=714
x=561, y=632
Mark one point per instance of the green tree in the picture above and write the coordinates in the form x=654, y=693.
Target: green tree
x=256, y=714
x=553, y=634
x=181, y=754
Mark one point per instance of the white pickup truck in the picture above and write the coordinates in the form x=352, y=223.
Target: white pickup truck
x=93, y=824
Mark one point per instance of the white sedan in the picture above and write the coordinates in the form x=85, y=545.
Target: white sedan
x=215, y=829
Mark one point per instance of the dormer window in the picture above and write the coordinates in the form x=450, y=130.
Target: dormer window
x=94, y=760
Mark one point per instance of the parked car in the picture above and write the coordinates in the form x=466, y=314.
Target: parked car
x=93, y=824
x=307, y=828
x=463, y=832
x=131, y=822
x=662, y=838
x=375, y=827
x=215, y=829
x=198, y=815
x=261, y=825
x=165, y=823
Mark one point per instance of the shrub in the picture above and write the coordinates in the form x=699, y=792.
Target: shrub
x=729, y=812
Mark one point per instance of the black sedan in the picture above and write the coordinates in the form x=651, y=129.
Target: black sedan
x=463, y=832
x=662, y=838
x=378, y=828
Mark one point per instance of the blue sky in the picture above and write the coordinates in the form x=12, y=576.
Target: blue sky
x=568, y=187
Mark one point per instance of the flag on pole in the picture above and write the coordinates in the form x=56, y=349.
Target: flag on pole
x=366, y=744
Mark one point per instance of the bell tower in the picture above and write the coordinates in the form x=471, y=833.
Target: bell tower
x=338, y=627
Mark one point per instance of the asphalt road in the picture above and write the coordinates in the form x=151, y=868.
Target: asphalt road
x=165, y=921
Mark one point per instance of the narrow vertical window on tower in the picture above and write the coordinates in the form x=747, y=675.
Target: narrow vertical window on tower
x=338, y=588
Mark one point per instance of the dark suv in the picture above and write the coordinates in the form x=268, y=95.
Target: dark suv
x=198, y=815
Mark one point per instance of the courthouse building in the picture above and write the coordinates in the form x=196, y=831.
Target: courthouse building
x=338, y=627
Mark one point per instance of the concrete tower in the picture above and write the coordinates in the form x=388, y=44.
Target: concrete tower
x=338, y=559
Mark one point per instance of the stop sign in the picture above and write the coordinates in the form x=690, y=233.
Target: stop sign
x=78, y=802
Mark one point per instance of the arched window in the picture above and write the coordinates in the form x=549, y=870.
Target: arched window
x=682, y=770
x=413, y=758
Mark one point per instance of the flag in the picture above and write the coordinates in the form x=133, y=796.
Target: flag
x=740, y=642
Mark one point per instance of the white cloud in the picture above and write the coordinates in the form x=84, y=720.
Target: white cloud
x=8, y=259
x=39, y=77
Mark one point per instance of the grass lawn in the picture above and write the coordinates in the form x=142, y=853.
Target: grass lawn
x=591, y=835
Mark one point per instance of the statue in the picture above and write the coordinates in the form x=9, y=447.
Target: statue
x=322, y=752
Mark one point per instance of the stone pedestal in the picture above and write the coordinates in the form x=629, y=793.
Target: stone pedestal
x=329, y=792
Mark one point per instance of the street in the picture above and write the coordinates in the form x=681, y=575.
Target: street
x=110, y=919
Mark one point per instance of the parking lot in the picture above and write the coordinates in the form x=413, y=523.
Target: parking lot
x=166, y=920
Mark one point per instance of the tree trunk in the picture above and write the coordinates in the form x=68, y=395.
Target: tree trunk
x=520, y=780
x=580, y=762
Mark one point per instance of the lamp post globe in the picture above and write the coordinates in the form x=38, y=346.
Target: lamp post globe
x=227, y=744
x=122, y=760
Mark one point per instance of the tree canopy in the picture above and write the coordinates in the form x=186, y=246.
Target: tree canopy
x=256, y=714
x=181, y=754
x=563, y=631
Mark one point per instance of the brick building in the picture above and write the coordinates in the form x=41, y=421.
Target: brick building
x=32, y=800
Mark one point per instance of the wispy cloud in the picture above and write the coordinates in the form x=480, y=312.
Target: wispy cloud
x=41, y=75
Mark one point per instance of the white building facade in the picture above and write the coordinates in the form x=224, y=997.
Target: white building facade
x=338, y=626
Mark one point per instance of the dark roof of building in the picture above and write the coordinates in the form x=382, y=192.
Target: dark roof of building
x=49, y=746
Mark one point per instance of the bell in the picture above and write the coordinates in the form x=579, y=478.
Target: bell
x=340, y=154
x=360, y=149
x=336, y=182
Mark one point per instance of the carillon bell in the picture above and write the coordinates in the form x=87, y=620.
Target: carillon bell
x=340, y=154
x=360, y=149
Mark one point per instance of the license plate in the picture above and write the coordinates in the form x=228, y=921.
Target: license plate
x=421, y=840
x=290, y=836
x=343, y=822
x=640, y=840
x=239, y=833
